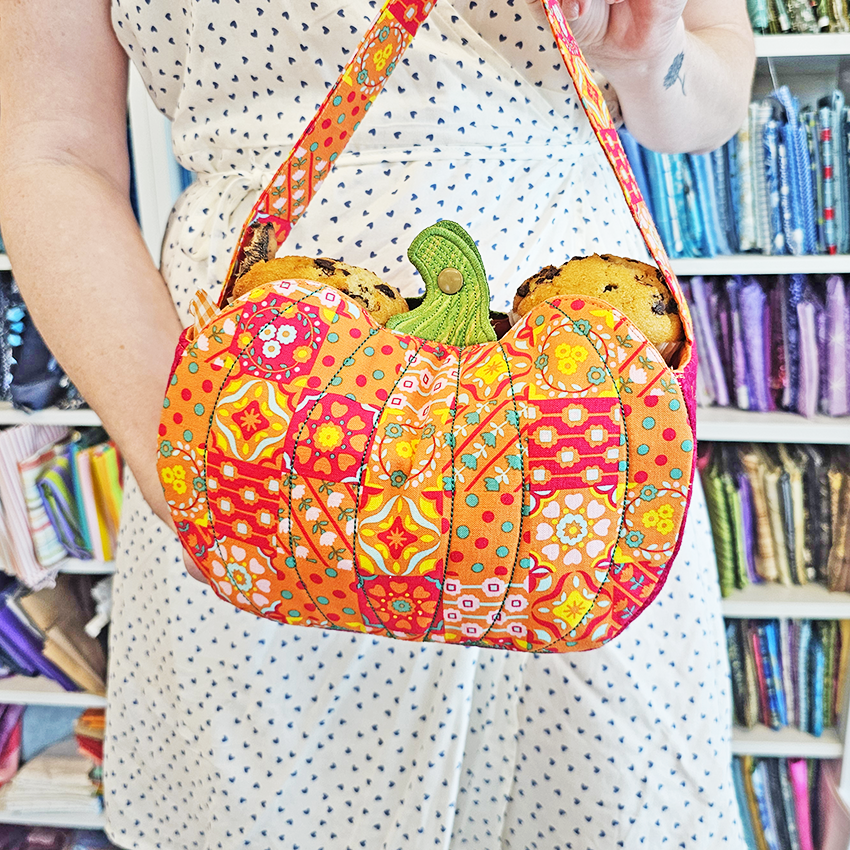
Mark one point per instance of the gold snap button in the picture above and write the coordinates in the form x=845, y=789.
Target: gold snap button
x=450, y=281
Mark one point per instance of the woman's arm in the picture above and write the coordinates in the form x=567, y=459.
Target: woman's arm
x=77, y=252
x=682, y=69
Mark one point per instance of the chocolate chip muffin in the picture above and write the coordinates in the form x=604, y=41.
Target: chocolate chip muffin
x=378, y=298
x=636, y=289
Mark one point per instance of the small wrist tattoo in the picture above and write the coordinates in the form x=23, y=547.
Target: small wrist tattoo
x=674, y=73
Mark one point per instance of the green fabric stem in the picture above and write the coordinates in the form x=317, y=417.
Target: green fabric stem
x=460, y=319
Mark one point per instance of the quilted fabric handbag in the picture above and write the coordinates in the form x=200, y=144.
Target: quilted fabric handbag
x=525, y=493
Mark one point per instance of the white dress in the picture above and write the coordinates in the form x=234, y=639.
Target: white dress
x=226, y=731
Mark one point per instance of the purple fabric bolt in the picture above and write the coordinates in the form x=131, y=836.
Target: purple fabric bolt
x=748, y=526
x=796, y=284
x=752, y=302
x=9, y=717
x=708, y=344
x=807, y=397
x=741, y=384
x=837, y=344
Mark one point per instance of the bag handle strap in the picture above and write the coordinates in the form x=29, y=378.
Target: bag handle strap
x=298, y=179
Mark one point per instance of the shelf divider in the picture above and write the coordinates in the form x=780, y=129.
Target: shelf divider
x=785, y=743
x=798, y=602
x=39, y=690
x=727, y=424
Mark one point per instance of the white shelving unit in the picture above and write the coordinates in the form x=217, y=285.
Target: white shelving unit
x=761, y=264
x=726, y=424
x=59, y=821
x=24, y=690
x=72, y=418
x=804, y=62
x=786, y=743
x=776, y=601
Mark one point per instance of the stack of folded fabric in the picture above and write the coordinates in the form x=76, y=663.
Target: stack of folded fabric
x=65, y=772
x=89, y=730
x=21, y=644
x=773, y=343
x=778, y=513
x=50, y=633
x=779, y=801
x=788, y=672
x=779, y=187
x=61, y=495
x=802, y=16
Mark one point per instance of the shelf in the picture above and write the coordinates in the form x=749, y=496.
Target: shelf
x=802, y=44
x=26, y=690
x=74, y=566
x=726, y=424
x=802, y=602
x=5, y=265
x=54, y=820
x=763, y=264
x=51, y=416
x=785, y=743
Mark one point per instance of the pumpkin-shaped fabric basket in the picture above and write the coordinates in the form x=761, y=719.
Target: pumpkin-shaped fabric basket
x=427, y=481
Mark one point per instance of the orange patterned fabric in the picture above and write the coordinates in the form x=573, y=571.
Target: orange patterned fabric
x=322, y=470
x=525, y=494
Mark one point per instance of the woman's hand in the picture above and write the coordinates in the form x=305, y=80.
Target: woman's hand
x=681, y=68
x=612, y=32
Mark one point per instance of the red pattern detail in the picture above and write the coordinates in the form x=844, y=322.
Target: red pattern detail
x=251, y=419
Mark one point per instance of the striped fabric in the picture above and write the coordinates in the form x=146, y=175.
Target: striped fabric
x=16, y=445
x=827, y=160
x=841, y=193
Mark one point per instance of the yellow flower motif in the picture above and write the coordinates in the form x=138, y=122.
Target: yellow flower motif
x=176, y=477
x=666, y=512
x=329, y=436
x=650, y=519
x=490, y=371
x=569, y=356
x=404, y=449
x=302, y=353
x=665, y=526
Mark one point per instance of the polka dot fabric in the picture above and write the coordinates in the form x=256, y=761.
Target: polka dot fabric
x=227, y=731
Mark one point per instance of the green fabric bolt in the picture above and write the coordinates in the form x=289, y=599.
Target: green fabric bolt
x=460, y=319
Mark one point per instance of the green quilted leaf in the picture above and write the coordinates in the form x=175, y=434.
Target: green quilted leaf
x=515, y=461
x=461, y=318
x=469, y=461
x=491, y=484
x=472, y=418
x=490, y=439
